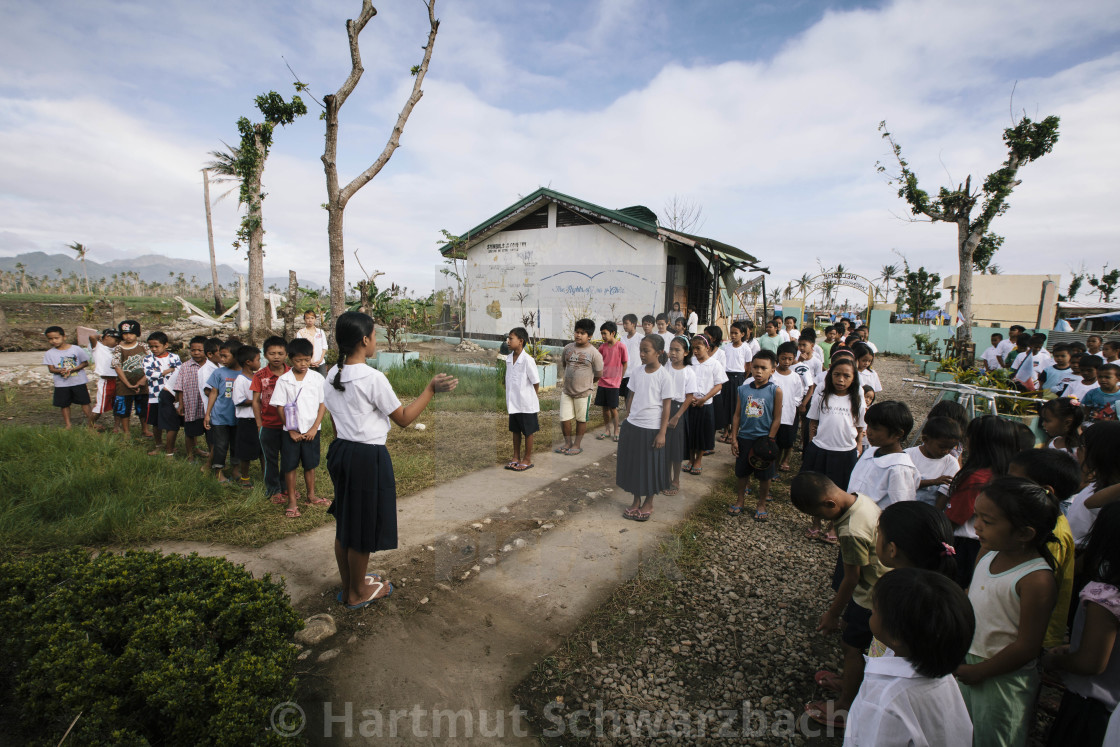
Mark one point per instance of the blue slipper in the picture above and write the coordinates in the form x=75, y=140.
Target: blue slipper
x=372, y=599
x=375, y=578
x=760, y=516
x=734, y=510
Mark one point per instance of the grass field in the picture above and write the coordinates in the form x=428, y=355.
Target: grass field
x=89, y=489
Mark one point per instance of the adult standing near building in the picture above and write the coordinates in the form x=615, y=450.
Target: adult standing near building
x=318, y=339
x=693, y=322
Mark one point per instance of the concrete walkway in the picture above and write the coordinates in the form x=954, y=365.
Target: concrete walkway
x=472, y=639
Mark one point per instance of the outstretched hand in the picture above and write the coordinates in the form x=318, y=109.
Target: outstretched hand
x=443, y=383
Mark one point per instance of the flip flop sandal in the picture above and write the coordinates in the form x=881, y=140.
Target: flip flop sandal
x=574, y=452
x=511, y=465
x=601, y=436
x=709, y=453
x=320, y=502
x=696, y=471
x=630, y=513
x=291, y=513
x=813, y=533
x=670, y=491
x=614, y=438
x=279, y=499
x=760, y=516
x=375, y=578
x=522, y=467
x=817, y=710
x=734, y=510
x=561, y=450
x=687, y=468
x=828, y=680
x=643, y=516
x=380, y=585
x=829, y=539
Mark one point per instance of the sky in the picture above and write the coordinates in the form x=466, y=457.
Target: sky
x=764, y=114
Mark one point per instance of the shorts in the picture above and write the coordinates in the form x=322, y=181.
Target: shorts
x=64, y=396
x=123, y=404
x=151, y=417
x=624, y=389
x=194, y=428
x=246, y=442
x=743, y=467
x=606, y=397
x=787, y=435
x=574, y=407
x=294, y=454
x=167, y=417
x=857, y=626
x=524, y=423
x=106, y=393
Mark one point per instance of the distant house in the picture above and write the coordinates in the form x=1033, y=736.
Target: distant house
x=556, y=259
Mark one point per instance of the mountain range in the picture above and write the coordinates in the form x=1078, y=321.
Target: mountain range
x=150, y=267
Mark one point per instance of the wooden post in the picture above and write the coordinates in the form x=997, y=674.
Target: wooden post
x=210, y=237
x=242, y=316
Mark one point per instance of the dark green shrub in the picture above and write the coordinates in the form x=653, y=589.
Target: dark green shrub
x=152, y=650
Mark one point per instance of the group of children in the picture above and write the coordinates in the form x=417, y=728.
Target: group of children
x=221, y=392
x=1010, y=555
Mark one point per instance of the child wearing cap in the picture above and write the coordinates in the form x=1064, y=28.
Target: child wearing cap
x=102, y=356
x=128, y=362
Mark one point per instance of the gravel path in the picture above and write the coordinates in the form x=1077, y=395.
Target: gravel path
x=722, y=653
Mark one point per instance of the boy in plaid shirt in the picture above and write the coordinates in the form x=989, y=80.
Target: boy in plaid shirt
x=188, y=400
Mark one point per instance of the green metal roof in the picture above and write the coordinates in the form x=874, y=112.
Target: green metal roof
x=636, y=217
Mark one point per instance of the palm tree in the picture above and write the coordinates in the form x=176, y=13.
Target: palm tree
x=224, y=170
x=888, y=276
x=804, y=283
x=22, y=268
x=788, y=292
x=80, y=250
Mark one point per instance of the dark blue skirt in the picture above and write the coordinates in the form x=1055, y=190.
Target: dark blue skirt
x=729, y=395
x=837, y=465
x=641, y=469
x=365, y=496
x=676, y=439
x=701, y=433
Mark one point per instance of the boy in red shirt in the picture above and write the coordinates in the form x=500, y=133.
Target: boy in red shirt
x=615, y=359
x=269, y=424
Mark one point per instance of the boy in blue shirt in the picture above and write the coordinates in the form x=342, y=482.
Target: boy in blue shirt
x=1101, y=403
x=757, y=416
x=220, y=418
x=67, y=363
x=1060, y=375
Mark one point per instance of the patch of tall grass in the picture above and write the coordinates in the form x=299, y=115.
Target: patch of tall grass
x=479, y=390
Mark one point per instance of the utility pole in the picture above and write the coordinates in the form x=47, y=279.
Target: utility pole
x=210, y=236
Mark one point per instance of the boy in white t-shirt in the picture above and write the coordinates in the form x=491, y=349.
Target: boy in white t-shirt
x=934, y=458
x=794, y=396
x=632, y=339
x=991, y=355
x=246, y=439
x=885, y=472
x=102, y=356
x=523, y=386
x=300, y=447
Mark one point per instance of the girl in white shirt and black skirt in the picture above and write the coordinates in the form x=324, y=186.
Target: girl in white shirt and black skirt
x=643, y=461
x=362, y=404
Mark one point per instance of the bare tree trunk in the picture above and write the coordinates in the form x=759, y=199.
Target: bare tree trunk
x=290, y=306
x=337, y=196
x=85, y=275
x=210, y=237
x=258, y=324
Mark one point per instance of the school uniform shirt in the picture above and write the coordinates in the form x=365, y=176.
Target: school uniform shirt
x=615, y=362
x=818, y=354
x=867, y=377
x=242, y=397
x=754, y=347
x=837, y=426
x=264, y=381
x=756, y=409
x=649, y=390
x=221, y=380
x=361, y=412
x=154, y=367
x=931, y=469
x=784, y=334
x=1079, y=389
x=684, y=381
x=204, y=373
x=1080, y=518
x=632, y=344
x=708, y=374
x=1057, y=380
x=736, y=359
x=68, y=360
x=693, y=323
x=873, y=346
x=667, y=336
x=809, y=371
x=793, y=391
x=521, y=378
x=887, y=479
x=103, y=361
x=989, y=358
x=1004, y=349
x=1042, y=361
x=307, y=396
x=856, y=531
x=897, y=706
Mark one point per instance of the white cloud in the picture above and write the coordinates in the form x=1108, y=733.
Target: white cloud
x=779, y=152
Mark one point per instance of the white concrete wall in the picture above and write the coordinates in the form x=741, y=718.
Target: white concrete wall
x=601, y=271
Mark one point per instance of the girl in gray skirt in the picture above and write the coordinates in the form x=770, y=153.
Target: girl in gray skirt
x=643, y=461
